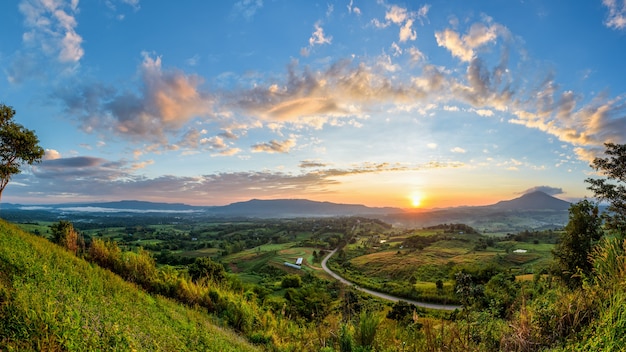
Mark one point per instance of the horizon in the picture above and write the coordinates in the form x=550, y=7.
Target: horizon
x=410, y=208
x=385, y=104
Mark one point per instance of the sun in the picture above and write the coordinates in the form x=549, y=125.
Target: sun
x=416, y=199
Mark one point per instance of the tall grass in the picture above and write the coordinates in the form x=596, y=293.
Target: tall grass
x=51, y=300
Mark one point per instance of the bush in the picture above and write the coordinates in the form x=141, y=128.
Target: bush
x=291, y=280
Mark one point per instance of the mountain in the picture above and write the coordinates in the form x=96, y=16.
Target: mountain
x=532, y=211
x=532, y=201
x=285, y=208
x=535, y=210
x=275, y=208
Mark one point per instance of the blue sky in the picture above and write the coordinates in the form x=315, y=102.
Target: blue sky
x=441, y=103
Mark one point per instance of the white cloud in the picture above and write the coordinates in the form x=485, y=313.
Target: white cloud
x=616, y=18
x=396, y=14
x=401, y=17
x=432, y=145
x=52, y=27
x=485, y=112
x=464, y=46
x=353, y=9
x=458, y=150
x=318, y=37
x=51, y=154
x=407, y=32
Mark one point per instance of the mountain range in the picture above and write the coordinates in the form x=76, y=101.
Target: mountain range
x=533, y=210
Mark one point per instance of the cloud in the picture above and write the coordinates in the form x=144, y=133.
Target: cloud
x=484, y=112
x=165, y=101
x=553, y=191
x=342, y=90
x=458, y=150
x=422, y=13
x=111, y=5
x=89, y=178
x=616, y=18
x=51, y=154
x=407, y=32
x=81, y=168
x=353, y=9
x=401, y=17
x=312, y=164
x=564, y=115
x=274, y=146
x=416, y=55
x=318, y=37
x=464, y=47
x=247, y=8
x=50, y=33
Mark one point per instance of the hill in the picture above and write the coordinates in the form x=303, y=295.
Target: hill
x=274, y=208
x=532, y=211
x=285, y=208
x=532, y=201
x=52, y=300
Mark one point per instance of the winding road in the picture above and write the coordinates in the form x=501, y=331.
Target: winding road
x=384, y=295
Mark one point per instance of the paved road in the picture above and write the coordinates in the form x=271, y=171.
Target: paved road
x=384, y=295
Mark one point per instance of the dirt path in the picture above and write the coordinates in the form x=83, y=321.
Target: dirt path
x=384, y=295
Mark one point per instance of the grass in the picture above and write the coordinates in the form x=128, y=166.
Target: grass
x=51, y=300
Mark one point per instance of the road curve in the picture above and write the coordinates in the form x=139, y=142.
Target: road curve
x=384, y=295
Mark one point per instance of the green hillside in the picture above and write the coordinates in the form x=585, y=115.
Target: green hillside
x=51, y=300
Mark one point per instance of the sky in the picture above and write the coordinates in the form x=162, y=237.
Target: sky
x=404, y=104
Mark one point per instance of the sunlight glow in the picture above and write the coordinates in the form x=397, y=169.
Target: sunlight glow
x=416, y=199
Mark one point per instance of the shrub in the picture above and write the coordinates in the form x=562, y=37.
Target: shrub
x=368, y=325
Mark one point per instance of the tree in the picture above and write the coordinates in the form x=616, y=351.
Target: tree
x=291, y=280
x=582, y=232
x=64, y=234
x=18, y=146
x=204, y=267
x=612, y=188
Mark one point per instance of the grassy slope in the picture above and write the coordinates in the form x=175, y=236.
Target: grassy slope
x=51, y=300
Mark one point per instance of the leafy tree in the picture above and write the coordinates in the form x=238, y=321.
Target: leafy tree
x=613, y=187
x=292, y=280
x=18, y=146
x=64, y=234
x=404, y=312
x=205, y=267
x=582, y=232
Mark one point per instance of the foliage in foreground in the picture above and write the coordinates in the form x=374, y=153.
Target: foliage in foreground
x=51, y=300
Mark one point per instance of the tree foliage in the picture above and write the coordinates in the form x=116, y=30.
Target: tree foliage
x=64, y=234
x=582, y=232
x=612, y=188
x=18, y=146
x=204, y=267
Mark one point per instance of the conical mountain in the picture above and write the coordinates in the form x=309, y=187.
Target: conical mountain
x=533, y=201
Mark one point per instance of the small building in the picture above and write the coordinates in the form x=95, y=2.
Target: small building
x=292, y=265
x=299, y=261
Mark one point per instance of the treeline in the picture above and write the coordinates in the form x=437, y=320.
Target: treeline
x=454, y=228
